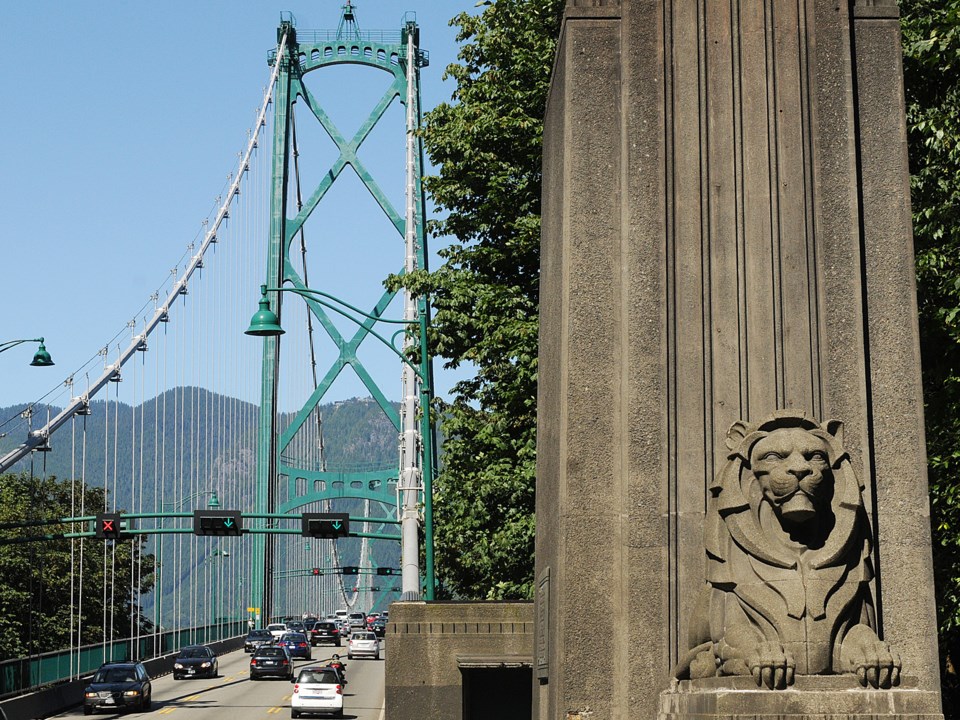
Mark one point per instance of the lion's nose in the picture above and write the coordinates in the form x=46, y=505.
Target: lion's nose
x=799, y=470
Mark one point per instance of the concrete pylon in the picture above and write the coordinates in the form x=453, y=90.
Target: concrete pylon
x=726, y=234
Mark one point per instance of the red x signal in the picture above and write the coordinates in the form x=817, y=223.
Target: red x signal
x=108, y=526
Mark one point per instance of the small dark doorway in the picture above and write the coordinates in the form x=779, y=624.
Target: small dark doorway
x=497, y=693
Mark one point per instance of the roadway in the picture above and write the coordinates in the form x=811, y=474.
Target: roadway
x=232, y=696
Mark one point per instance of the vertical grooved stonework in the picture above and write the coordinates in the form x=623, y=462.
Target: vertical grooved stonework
x=725, y=234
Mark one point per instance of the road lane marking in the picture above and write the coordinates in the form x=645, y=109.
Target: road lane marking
x=192, y=697
x=274, y=710
x=166, y=711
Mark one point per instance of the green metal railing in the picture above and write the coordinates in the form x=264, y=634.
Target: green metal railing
x=26, y=673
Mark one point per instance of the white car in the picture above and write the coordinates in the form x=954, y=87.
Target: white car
x=317, y=691
x=277, y=630
x=363, y=644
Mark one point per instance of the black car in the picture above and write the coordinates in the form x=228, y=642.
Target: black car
x=195, y=661
x=379, y=626
x=325, y=632
x=118, y=686
x=271, y=661
x=256, y=638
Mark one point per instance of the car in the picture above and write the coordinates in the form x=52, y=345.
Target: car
x=363, y=644
x=325, y=632
x=277, y=629
x=296, y=627
x=118, y=686
x=297, y=645
x=370, y=619
x=195, y=661
x=271, y=660
x=317, y=691
x=358, y=619
x=256, y=638
x=379, y=626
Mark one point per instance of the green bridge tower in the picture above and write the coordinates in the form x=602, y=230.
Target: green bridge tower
x=403, y=491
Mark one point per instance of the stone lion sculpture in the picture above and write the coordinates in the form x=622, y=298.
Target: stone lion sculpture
x=788, y=562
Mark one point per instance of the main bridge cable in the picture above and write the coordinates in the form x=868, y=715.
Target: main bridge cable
x=36, y=438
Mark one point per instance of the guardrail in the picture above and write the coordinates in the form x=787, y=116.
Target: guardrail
x=20, y=675
x=54, y=699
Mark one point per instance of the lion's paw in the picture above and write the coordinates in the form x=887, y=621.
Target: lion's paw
x=704, y=665
x=873, y=661
x=771, y=666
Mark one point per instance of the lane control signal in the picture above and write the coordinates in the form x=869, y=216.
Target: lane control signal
x=217, y=522
x=350, y=570
x=325, y=525
x=107, y=526
x=388, y=571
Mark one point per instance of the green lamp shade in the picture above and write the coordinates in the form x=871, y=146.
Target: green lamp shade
x=264, y=322
x=214, y=502
x=41, y=358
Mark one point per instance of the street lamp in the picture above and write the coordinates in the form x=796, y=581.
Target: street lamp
x=217, y=584
x=41, y=358
x=213, y=503
x=266, y=324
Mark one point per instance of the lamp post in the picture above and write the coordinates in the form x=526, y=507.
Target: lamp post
x=266, y=324
x=217, y=584
x=41, y=358
x=213, y=504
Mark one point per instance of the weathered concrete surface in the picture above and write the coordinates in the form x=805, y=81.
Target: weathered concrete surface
x=725, y=233
x=814, y=698
x=428, y=644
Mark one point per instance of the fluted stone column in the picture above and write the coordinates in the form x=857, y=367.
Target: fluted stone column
x=726, y=233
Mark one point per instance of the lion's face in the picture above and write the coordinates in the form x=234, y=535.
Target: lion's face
x=791, y=465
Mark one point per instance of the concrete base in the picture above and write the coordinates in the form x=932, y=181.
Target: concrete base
x=834, y=697
x=459, y=661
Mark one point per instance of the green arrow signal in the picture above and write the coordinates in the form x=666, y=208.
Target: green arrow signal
x=228, y=522
x=337, y=525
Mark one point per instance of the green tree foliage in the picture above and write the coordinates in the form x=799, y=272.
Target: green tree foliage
x=487, y=144
x=931, y=42
x=35, y=577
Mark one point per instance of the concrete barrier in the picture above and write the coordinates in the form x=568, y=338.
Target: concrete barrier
x=63, y=696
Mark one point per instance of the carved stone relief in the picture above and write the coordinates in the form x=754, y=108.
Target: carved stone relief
x=787, y=544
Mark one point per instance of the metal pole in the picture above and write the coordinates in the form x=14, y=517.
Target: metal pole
x=426, y=364
x=409, y=440
x=261, y=585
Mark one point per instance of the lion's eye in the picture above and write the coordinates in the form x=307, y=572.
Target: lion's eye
x=771, y=456
x=817, y=455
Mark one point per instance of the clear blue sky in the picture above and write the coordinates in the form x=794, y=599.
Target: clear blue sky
x=121, y=121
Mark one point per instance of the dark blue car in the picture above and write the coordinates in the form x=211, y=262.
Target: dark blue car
x=297, y=645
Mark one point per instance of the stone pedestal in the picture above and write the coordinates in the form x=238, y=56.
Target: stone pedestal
x=837, y=697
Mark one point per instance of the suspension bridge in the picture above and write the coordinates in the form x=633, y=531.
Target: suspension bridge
x=228, y=480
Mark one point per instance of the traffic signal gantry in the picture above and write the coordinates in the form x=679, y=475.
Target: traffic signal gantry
x=214, y=522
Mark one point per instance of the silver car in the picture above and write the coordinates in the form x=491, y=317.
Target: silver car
x=364, y=644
